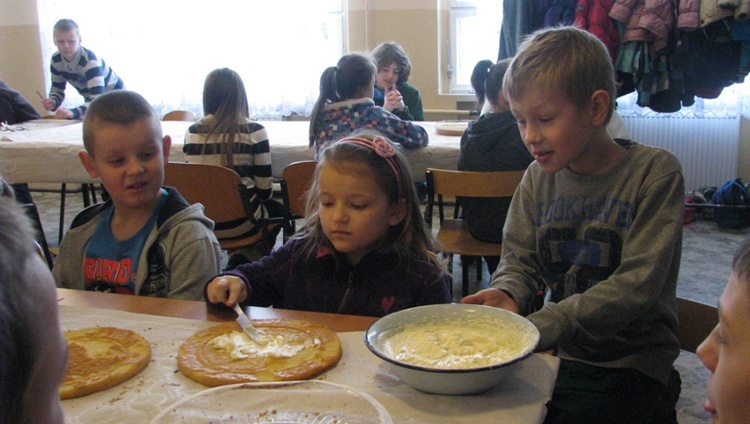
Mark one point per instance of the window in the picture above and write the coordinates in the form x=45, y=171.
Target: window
x=164, y=49
x=474, y=35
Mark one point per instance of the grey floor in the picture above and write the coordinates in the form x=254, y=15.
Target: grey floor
x=705, y=269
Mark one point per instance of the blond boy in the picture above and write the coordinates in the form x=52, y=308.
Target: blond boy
x=146, y=239
x=726, y=351
x=79, y=66
x=597, y=222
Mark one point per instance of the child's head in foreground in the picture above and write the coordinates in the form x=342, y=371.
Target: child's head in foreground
x=33, y=352
x=363, y=197
x=561, y=89
x=726, y=351
x=67, y=38
x=124, y=147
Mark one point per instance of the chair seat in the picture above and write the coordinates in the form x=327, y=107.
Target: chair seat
x=454, y=237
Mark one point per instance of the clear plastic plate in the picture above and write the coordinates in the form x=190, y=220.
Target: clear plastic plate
x=309, y=402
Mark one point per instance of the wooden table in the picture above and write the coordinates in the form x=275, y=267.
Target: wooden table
x=202, y=311
x=166, y=323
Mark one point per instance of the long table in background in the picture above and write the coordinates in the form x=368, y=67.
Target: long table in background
x=166, y=323
x=47, y=150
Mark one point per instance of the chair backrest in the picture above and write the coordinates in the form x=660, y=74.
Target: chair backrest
x=445, y=182
x=180, y=115
x=474, y=183
x=296, y=179
x=216, y=187
x=697, y=320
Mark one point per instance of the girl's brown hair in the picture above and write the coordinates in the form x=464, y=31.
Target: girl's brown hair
x=225, y=98
x=410, y=238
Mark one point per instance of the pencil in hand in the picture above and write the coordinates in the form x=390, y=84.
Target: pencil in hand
x=40, y=95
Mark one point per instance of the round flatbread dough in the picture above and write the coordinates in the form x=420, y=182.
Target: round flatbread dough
x=100, y=358
x=287, y=350
x=451, y=127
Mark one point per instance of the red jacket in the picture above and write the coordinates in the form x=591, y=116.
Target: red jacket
x=593, y=16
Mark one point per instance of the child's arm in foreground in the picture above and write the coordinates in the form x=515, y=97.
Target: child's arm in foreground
x=264, y=281
x=227, y=289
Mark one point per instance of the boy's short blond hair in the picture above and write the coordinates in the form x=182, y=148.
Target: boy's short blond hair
x=65, y=25
x=119, y=107
x=566, y=59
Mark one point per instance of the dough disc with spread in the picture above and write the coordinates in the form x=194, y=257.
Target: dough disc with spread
x=100, y=358
x=289, y=350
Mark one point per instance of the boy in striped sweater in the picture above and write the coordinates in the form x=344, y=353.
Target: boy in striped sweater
x=78, y=66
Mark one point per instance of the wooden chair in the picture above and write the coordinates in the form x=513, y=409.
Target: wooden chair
x=453, y=236
x=180, y=115
x=225, y=198
x=697, y=320
x=296, y=179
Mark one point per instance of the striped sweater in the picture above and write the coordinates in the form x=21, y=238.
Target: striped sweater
x=87, y=73
x=251, y=158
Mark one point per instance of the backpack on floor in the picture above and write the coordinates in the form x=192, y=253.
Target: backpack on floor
x=733, y=193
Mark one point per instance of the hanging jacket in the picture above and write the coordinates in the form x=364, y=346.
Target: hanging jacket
x=593, y=16
x=560, y=12
x=688, y=15
x=715, y=10
x=646, y=20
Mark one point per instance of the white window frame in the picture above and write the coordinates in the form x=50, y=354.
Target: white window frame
x=460, y=61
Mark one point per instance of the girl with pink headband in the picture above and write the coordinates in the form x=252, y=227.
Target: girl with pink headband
x=364, y=249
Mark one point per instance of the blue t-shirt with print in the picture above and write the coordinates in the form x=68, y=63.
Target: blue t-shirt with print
x=111, y=265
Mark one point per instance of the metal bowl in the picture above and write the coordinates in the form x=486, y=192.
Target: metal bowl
x=452, y=349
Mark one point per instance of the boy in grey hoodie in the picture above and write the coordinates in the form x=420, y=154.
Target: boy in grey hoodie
x=146, y=239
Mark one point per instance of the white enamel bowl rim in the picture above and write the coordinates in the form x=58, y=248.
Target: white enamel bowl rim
x=400, y=318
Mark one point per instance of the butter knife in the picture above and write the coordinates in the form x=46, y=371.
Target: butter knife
x=246, y=324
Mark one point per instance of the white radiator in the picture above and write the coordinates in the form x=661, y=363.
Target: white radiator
x=707, y=147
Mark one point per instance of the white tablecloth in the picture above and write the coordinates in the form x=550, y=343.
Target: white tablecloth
x=47, y=152
x=520, y=399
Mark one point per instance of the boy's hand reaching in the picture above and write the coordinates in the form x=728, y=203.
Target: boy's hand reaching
x=492, y=297
x=64, y=113
x=393, y=100
x=48, y=104
x=227, y=290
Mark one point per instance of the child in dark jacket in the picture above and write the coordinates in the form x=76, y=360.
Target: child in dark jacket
x=364, y=250
x=491, y=143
